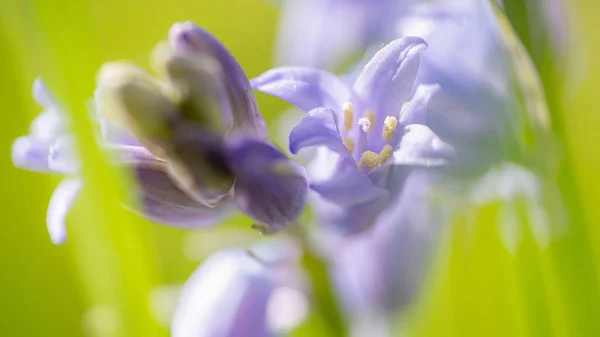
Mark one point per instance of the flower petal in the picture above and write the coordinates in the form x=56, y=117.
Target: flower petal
x=415, y=110
x=60, y=203
x=62, y=157
x=159, y=198
x=387, y=80
x=347, y=186
x=421, y=147
x=31, y=153
x=269, y=187
x=226, y=296
x=186, y=37
x=317, y=128
x=306, y=88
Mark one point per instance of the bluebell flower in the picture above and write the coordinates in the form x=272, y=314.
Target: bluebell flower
x=338, y=29
x=234, y=293
x=49, y=148
x=195, y=140
x=368, y=136
x=226, y=296
x=489, y=108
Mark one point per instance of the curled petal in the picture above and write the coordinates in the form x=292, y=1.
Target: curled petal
x=186, y=37
x=226, y=296
x=159, y=198
x=421, y=147
x=387, y=80
x=317, y=128
x=269, y=187
x=306, y=88
x=60, y=203
x=31, y=153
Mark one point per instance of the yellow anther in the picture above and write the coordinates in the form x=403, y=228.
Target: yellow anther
x=389, y=127
x=385, y=154
x=348, y=116
x=348, y=143
x=371, y=160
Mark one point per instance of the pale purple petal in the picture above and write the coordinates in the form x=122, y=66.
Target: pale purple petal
x=317, y=128
x=387, y=80
x=421, y=147
x=415, y=110
x=62, y=157
x=31, y=153
x=60, y=203
x=188, y=38
x=355, y=218
x=348, y=186
x=226, y=296
x=269, y=187
x=306, y=88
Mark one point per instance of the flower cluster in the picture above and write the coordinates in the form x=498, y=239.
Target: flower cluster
x=433, y=106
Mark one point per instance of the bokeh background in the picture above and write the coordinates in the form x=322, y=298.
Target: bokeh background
x=115, y=274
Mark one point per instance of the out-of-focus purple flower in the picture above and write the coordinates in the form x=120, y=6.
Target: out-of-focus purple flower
x=380, y=270
x=367, y=135
x=49, y=148
x=202, y=120
x=338, y=29
x=226, y=296
x=194, y=139
x=481, y=109
x=234, y=293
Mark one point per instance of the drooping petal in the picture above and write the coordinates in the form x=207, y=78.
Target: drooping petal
x=186, y=37
x=269, y=187
x=387, y=80
x=421, y=147
x=60, y=203
x=226, y=296
x=31, y=153
x=317, y=128
x=158, y=197
x=306, y=88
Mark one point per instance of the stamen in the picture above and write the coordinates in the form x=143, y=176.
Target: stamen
x=385, y=154
x=348, y=116
x=348, y=143
x=370, y=160
x=389, y=127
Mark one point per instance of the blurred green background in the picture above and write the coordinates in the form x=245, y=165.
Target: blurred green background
x=103, y=280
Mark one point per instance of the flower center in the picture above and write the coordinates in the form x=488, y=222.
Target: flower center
x=367, y=123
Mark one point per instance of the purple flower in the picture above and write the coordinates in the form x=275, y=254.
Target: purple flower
x=49, y=148
x=194, y=138
x=226, y=296
x=338, y=29
x=367, y=135
x=481, y=110
x=380, y=270
x=234, y=293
